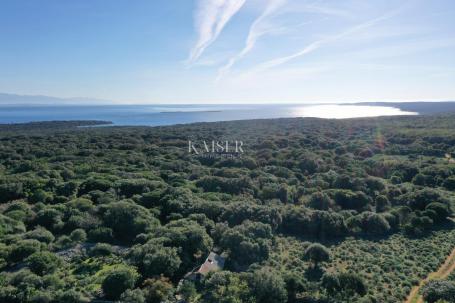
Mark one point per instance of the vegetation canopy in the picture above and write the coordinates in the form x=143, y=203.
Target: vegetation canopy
x=313, y=210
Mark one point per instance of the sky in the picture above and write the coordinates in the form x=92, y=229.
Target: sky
x=229, y=51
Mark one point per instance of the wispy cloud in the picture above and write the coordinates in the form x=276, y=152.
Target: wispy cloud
x=318, y=8
x=210, y=18
x=258, y=29
x=321, y=42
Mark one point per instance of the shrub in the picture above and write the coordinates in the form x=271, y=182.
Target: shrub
x=117, y=281
x=42, y=263
x=439, y=290
x=316, y=253
x=268, y=286
x=78, y=235
x=133, y=296
x=101, y=249
x=23, y=249
x=41, y=234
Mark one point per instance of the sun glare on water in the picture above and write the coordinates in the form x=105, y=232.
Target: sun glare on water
x=349, y=111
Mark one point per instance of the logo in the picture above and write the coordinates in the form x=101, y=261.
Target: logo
x=216, y=149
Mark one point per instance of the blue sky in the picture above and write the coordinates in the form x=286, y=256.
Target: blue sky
x=229, y=51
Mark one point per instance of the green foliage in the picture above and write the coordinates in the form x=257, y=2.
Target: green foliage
x=316, y=253
x=158, y=290
x=119, y=280
x=41, y=234
x=127, y=220
x=78, y=235
x=226, y=287
x=132, y=296
x=248, y=242
x=344, y=285
x=268, y=286
x=23, y=249
x=154, y=260
x=383, y=209
x=435, y=290
x=101, y=249
x=42, y=263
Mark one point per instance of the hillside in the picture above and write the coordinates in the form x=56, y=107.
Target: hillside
x=297, y=210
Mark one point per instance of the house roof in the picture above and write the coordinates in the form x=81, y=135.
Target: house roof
x=213, y=262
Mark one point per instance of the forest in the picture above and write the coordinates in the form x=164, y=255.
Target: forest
x=312, y=211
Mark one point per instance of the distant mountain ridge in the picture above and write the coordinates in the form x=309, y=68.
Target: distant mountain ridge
x=15, y=99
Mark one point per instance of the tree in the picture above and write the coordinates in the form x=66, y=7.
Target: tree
x=351, y=200
x=449, y=183
x=153, y=259
x=382, y=203
x=42, y=263
x=268, y=286
x=117, y=281
x=320, y=200
x=316, y=253
x=248, y=242
x=23, y=249
x=226, y=287
x=294, y=285
x=352, y=284
x=188, y=291
x=78, y=235
x=41, y=234
x=190, y=238
x=331, y=283
x=133, y=296
x=419, y=179
x=101, y=249
x=72, y=296
x=49, y=218
x=128, y=220
x=369, y=223
x=344, y=285
x=439, y=290
x=441, y=210
x=158, y=290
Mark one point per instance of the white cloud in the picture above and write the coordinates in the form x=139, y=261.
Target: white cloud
x=210, y=18
x=258, y=29
x=317, y=44
x=318, y=8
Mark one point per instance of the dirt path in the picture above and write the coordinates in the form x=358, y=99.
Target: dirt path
x=442, y=273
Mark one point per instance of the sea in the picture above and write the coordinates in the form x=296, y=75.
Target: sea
x=156, y=115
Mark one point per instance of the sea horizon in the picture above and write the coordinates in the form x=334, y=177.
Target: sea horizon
x=171, y=114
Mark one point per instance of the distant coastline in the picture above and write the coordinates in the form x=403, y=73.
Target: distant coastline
x=161, y=115
x=191, y=111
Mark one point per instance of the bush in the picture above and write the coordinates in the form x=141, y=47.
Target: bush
x=128, y=220
x=316, y=253
x=223, y=287
x=133, y=296
x=78, y=235
x=72, y=296
x=268, y=286
x=101, y=249
x=42, y=263
x=439, y=290
x=320, y=201
x=449, y=183
x=117, y=281
x=23, y=249
x=154, y=260
x=41, y=234
x=101, y=234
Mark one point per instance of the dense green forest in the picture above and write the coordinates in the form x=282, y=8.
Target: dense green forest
x=313, y=210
